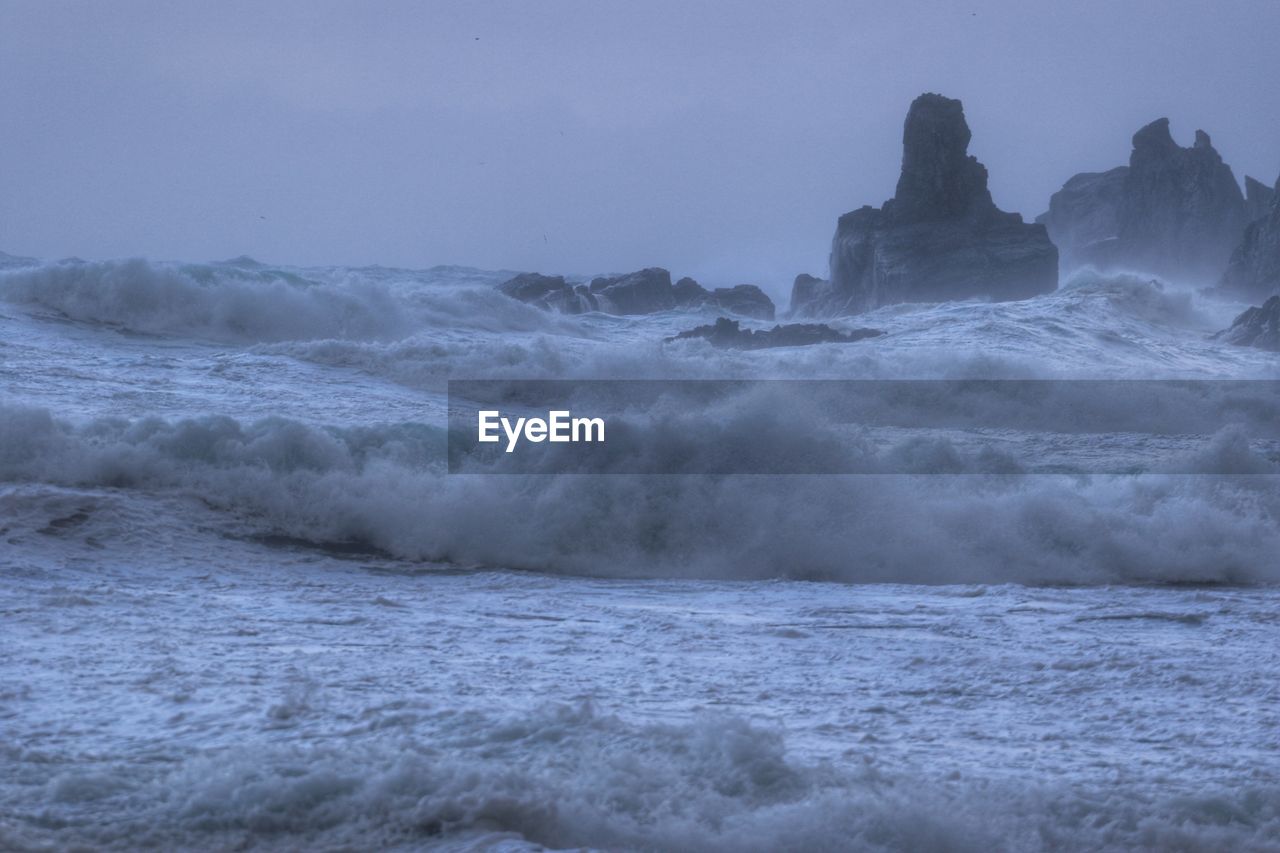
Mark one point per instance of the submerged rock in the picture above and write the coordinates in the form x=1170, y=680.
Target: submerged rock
x=1173, y=211
x=1254, y=270
x=1256, y=327
x=940, y=237
x=727, y=334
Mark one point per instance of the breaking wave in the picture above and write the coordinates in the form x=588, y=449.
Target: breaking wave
x=247, y=303
x=566, y=776
x=384, y=486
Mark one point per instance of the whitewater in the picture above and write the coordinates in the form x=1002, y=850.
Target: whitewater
x=245, y=605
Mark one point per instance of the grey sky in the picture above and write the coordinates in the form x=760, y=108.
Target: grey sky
x=716, y=139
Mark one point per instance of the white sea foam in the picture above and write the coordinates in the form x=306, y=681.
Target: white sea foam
x=248, y=607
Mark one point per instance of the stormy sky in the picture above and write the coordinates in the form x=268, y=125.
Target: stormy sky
x=717, y=139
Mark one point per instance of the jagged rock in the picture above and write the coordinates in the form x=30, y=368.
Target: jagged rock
x=808, y=291
x=689, y=294
x=1257, y=198
x=726, y=334
x=1084, y=216
x=940, y=237
x=1257, y=327
x=1254, y=270
x=1175, y=212
x=744, y=299
x=1183, y=210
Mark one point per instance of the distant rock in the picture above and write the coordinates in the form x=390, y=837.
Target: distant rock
x=939, y=238
x=1257, y=198
x=243, y=261
x=1257, y=327
x=550, y=293
x=807, y=292
x=1175, y=212
x=726, y=334
x=689, y=294
x=533, y=287
x=14, y=261
x=1084, y=216
x=644, y=292
x=746, y=300
x=1254, y=270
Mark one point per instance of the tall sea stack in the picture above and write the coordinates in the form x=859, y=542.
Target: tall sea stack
x=1174, y=212
x=939, y=238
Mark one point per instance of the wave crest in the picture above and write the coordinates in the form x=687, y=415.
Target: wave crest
x=385, y=486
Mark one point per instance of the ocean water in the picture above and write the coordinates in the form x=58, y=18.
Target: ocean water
x=245, y=607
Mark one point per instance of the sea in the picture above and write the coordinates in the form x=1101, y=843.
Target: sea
x=244, y=604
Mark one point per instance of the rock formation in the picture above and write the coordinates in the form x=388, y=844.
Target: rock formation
x=689, y=294
x=939, y=238
x=808, y=292
x=1257, y=327
x=644, y=292
x=726, y=334
x=746, y=300
x=1254, y=270
x=1175, y=212
x=1084, y=216
x=550, y=293
x=1257, y=198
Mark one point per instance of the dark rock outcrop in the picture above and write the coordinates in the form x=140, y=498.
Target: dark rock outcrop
x=1254, y=270
x=746, y=300
x=532, y=286
x=644, y=292
x=549, y=292
x=1257, y=327
x=939, y=238
x=1257, y=198
x=1175, y=212
x=726, y=334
